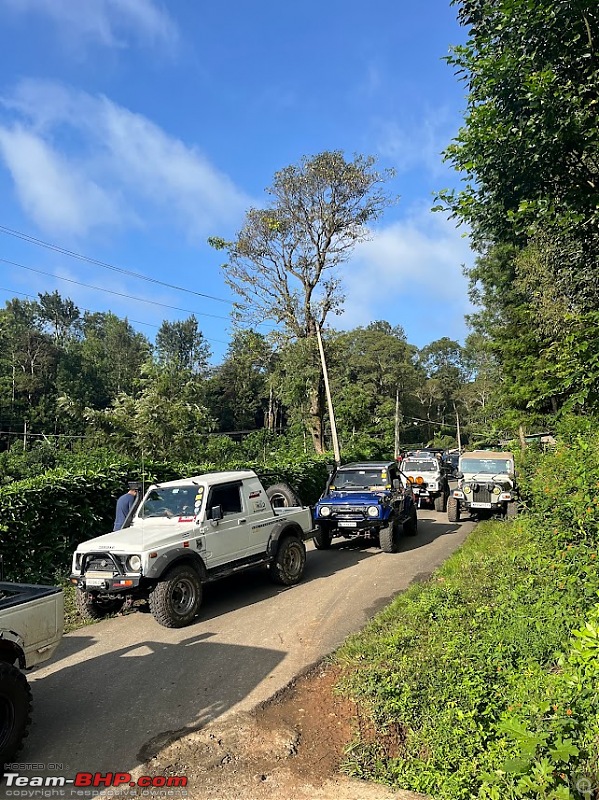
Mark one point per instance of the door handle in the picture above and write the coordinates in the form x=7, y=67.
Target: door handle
x=241, y=521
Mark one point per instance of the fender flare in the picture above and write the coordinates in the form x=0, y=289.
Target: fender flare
x=12, y=648
x=280, y=530
x=179, y=555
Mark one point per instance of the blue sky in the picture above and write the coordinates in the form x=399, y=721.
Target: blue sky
x=131, y=130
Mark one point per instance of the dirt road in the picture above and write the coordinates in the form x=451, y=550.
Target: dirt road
x=121, y=690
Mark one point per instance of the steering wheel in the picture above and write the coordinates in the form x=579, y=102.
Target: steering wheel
x=163, y=511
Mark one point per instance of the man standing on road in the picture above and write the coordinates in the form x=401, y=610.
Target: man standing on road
x=123, y=506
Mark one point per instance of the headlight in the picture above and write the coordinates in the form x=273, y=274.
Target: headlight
x=373, y=511
x=325, y=511
x=496, y=490
x=467, y=489
x=134, y=563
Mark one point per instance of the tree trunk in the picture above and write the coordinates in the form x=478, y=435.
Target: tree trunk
x=315, y=421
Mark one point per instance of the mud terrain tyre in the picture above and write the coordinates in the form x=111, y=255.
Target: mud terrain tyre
x=94, y=608
x=389, y=537
x=176, y=599
x=441, y=502
x=282, y=496
x=511, y=509
x=15, y=711
x=288, y=564
x=322, y=539
x=453, y=510
x=410, y=526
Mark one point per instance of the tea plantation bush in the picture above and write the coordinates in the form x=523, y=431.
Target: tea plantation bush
x=485, y=681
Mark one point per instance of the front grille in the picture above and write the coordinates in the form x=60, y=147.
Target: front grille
x=347, y=509
x=482, y=495
x=101, y=563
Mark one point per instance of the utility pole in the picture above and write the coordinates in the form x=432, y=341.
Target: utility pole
x=457, y=419
x=396, y=447
x=325, y=375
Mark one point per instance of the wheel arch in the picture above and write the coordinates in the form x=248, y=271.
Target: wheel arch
x=281, y=531
x=174, y=558
x=11, y=648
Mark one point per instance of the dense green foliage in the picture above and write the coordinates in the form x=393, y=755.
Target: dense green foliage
x=529, y=155
x=92, y=383
x=477, y=683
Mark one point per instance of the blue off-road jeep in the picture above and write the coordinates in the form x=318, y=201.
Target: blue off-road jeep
x=366, y=499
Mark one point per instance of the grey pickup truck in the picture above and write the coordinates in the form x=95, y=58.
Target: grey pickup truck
x=31, y=626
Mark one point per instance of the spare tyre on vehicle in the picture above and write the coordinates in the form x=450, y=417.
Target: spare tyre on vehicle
x=281, y=495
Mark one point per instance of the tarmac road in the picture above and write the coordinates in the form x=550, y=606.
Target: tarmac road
x=118, y=690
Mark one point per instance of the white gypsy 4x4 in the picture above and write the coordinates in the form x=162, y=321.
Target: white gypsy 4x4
x=185, y=533
x=486, y=486
x=427, y=479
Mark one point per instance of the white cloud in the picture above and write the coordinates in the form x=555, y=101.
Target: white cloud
x=53, y=191
x=115, y=156
x=109, y=22
x=417, y=259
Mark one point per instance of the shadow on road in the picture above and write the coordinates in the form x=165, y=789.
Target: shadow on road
x=254, y=585
x=116, y=710
x=428, y=531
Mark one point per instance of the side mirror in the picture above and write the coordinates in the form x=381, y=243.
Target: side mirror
x=396, y=484
x=216, y=513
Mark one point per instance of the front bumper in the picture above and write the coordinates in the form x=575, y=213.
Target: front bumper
x=494, y=503
x=102, y=583
x=353, y=527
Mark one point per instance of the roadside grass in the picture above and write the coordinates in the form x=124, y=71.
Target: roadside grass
x=476, y=684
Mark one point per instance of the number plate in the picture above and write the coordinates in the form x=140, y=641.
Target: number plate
x=95, y=582
x=480, y=505
x=347, y=524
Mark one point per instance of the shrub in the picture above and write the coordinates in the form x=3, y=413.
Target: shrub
x=462, y=678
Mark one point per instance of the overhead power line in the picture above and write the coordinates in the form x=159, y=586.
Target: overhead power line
x=111, y=291
x=105, y=265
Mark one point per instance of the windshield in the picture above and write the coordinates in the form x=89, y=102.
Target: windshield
x=174, y=501
x=416, y=465
x=361, y=479
x=494, y=466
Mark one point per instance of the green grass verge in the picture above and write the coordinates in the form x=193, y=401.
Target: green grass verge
x=462, y=680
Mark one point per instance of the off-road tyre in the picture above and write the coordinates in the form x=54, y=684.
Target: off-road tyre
x=91, y=607
x=288, y=565
x=322, y=538
x=282, y=496
x=177, y=597
x=453, y=510
x=410, y=526
x=15, y=711
x=511, y=509
x=441, y=503
x=389, y=537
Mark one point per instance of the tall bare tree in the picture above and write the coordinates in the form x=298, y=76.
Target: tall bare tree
x=284, y=262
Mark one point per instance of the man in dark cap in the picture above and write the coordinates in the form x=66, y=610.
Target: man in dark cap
x=124, y=505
